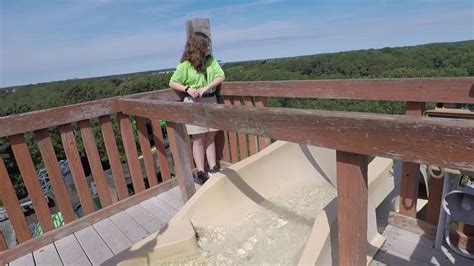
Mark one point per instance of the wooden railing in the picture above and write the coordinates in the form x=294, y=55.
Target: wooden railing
x=247, y=129
x=74, y=123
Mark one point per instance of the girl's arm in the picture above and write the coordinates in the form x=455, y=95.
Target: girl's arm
x=211, y=85
x=182, y=88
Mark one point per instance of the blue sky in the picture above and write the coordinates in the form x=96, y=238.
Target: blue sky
x=61, y=39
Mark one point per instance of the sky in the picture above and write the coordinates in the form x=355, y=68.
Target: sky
x=52, y=40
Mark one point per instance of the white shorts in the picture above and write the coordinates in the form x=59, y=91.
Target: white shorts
x=192, y=129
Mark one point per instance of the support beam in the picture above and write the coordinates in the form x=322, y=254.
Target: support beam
x=179, y=148
x=352, y=193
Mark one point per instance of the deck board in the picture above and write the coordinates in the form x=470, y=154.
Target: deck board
x=26, y=260
x=146, y=219
x=70, y=251
x=47, y=255
x=407, y=248
x=112, y=236
x=100, y=241
x=129, y=227
x=95, y=248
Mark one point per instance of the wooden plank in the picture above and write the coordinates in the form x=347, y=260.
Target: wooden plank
x=410, y=171
x=70, y=251
x=21, y=123
x=114, y=157
x=163, y=94
x=160, y=150
x=129, y=227
x=162, y=214
x=222, y=139
x=131, y=152
x=54, y=173
x=262, y=141
x=412, y=224
x=392, y=136
x=31, y=181
x=74, y=161
x=70, y=228
x=177, y=137
x=147, y=220
x=234, y=153
x=94, y=247
x=252, y=138
x=112, y=236
x=445, y=90
x=95, y=163
x=12, y=206
x=243, y=151
x=47, y=255
x=165, y=209
x=172, y=197
x=146, y=151
x=187, y=139
x=433, y=206
x=26, y=260
x=352, y=218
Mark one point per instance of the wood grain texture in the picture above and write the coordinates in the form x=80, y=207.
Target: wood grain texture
x=252, y=139
x=32, y=121
x=31, y=181
x=75, y=165
x=160, y=150
x=262, y=141
x=177, y=136
x=243, y=151
x=63, y=231
x=71, y=252
x=131, y=152
x=95, y=163
x=12, y=206
x=352, y=218
x=393, y=136
x=54, y=173
x=444, y=90
x=146, y=151
x=234, y=152
x=114, y=157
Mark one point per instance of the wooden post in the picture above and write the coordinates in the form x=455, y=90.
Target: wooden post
x=199, y=25
x=410, y=171
x=352, y=193
x=179, y=148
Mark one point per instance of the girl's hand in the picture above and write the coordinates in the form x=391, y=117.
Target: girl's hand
x=193, y=93
x=202, y=91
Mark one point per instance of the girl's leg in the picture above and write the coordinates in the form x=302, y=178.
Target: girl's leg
x=199, y=142
x=211, y=149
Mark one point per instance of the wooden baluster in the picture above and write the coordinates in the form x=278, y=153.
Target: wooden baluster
x=262, y=141
x=234, y=153
x=131, y=152
x=146, y=151
x=54, y=173
x=410, y=171
x=114, y=157
x=12, y=206
x=28, y=173
x=241, y=136
x=352, y=218
x=177, y=137
x=160, y=150
x=222, y=140
x=252, y=138
x=74, y=161
x=95, y=163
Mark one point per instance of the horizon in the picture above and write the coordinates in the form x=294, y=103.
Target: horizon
x=47, y=42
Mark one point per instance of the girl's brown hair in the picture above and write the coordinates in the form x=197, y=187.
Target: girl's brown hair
x=196, y=51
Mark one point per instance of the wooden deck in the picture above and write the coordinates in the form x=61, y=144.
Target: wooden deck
x=102, y=240
x=407, y=248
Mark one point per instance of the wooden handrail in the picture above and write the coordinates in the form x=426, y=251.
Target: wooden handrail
x=419, y=140
x=443, y=90
x=22, y=123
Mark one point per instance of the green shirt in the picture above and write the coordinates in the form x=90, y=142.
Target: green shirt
x=186, y=75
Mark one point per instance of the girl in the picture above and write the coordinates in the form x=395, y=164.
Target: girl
x=197, y=76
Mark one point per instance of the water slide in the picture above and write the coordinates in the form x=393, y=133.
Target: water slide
x=277, y=206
